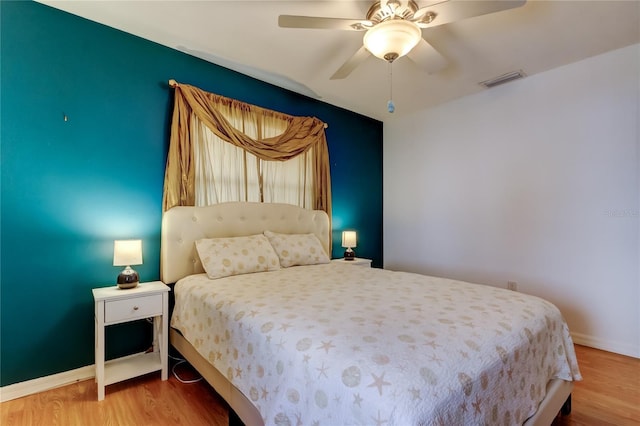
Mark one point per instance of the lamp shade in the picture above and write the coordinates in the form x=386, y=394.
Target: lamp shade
x=349, y=239
x=392, y=39
x=127, y=252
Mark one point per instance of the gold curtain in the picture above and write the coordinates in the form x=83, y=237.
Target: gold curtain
x=301, y=135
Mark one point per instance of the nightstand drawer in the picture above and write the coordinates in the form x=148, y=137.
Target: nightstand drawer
x=132, y=308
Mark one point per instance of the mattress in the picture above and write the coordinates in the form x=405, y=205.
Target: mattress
x=336, y=344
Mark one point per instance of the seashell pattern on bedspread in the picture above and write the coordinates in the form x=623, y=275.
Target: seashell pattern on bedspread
x=336, y=344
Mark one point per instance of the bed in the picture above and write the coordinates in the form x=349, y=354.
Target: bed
x=325, y=343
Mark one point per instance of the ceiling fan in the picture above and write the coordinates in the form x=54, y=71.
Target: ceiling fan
x=393, y=28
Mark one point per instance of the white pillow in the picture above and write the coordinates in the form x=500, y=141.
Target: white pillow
x=297, y=249
x=222, y=257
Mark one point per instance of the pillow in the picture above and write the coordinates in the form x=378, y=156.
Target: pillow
x=222, y=257
x=297, y=249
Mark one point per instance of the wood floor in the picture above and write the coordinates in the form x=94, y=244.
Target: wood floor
x=609, y=395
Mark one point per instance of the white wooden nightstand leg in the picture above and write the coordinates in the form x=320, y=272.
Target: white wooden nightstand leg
x=100, y=349
x=164, y=334
x=156, y=334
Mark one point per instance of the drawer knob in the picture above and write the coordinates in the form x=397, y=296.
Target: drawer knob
x=135, y=308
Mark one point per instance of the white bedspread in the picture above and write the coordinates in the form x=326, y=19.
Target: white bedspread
x=338, y=344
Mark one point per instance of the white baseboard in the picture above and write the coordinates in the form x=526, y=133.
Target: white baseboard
x=18, y=390
x=621, y=348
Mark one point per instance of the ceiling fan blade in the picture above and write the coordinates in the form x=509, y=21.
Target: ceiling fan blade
x=427, y=57
x=359, y=57
x=313, y=22
x=457, y=10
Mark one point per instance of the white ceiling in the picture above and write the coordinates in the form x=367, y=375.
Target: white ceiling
x=244, y=35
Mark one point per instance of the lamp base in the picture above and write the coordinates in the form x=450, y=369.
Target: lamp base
x=349, y=254
x=128, y=278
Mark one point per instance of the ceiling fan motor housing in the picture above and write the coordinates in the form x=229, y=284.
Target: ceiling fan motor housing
x=391, y=10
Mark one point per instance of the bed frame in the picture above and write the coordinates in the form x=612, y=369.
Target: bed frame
x=182, y=226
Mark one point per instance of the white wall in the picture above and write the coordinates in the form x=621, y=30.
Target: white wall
x=536, y=181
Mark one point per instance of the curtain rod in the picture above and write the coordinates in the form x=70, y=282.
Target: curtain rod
x=173, y=84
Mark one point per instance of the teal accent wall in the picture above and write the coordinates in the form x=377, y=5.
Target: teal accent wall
x=70, y=187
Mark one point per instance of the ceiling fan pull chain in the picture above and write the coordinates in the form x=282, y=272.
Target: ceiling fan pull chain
x=390, y=105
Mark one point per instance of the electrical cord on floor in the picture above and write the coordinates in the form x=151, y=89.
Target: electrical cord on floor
x=175, y=374
x=179, y=362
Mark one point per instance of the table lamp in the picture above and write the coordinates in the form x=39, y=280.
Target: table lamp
x=127, y=253
x=349, y=241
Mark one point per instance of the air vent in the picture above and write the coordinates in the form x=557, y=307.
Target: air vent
x=504, y=78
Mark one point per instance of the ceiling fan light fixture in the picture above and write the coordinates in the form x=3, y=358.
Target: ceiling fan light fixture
x=392, y=39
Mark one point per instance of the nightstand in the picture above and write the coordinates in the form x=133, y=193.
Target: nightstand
x=358, y=261
x=114, y=306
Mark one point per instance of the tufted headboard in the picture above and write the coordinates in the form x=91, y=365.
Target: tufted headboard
x=182, y=226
